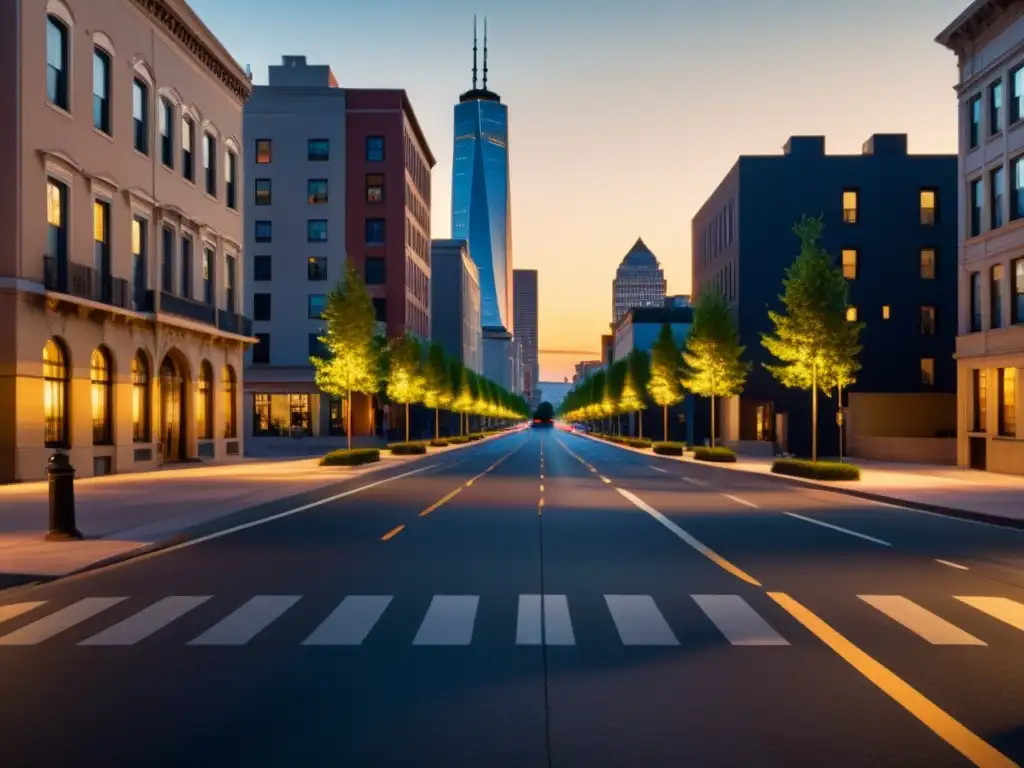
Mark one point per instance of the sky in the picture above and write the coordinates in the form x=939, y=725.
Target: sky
x=623, y=117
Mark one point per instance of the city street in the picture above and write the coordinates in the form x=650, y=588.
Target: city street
x=540, y=599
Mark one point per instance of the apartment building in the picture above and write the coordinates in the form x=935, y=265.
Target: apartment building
x=120, y=275
x=525, y=308
x=988, y=39
x=455, y=303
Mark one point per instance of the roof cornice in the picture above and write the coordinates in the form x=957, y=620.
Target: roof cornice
x=976, y=19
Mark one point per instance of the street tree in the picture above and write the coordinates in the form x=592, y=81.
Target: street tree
x=437, y=384
x=712, y=366
x=637, y=378
x=405, y=374
x=350, y=363
x=663, y=385
x=814, y=342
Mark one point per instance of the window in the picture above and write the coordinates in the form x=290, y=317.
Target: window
x=261, y=350
x=264, y=152
x=210, y=163
x=56, y=377
x=317, y=348
x=316, y=268
x=231, y=182
x=976, y=198
x=261, y=270
x=57, y=63
x=928, y=263
x=263, y=192
x=375, y=231
x=102, y=396
x=1017, y=305
x=101, y=248
x=261, y=306
x=998, y=182
x=260, y=413
x=375, y=187
x=927, y=371
x=1007, y=394
x=380, y=310
x=928, y=200
x=850, y=206
x=374, y=149
x=140, y=115
x=1017, y=193
x=315, y=305
x=851, y=314
x=101, y=90
x=375, y=271
x=980, y=392
x=186, y=267
x=56, y=263
x=167, y=133
x=316, y=231
x=204, y=402
x=975, y=302
x=995, y=107
x=973, y=122
x=140, y=249
x=996, y=296
x=1016, y=94
x=850, y=263
x=927, y=321
x=230, y=287
x=140, y=398
x=264, y=232
x=188, y=140
x=230, y=403
x=886, y=312
x=167, y=273
x=208, y=275
x=316, y=191
x=318, y=150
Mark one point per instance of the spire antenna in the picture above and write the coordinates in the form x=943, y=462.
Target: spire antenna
x=474, y=52
x=485, y=53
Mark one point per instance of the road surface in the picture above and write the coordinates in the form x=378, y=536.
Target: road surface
x=540, y=599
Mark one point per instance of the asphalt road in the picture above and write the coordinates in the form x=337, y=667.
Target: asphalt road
x=693, y=616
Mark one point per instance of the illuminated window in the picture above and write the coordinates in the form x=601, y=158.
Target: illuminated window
x=850, y=263
x=264, y=152
x=928, y=207
x=263, y=192
x=140, y=398
x=851, y=314
x=102, y=396
x=850, y=206
x=886, y=313
x=375, y=187
x=204, y=403
x=230, y=409
x=927, y=371
x=927, y=263
x=1007, y=394
x=980, y=399
x=261, y=413
x=55, y=395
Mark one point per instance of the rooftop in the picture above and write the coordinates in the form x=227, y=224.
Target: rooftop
x=640, y=256
x=977, y=17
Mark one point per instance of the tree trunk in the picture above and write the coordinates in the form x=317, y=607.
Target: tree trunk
x=437, y=425
x=640, y=424
x=712, y=421
x=664, y=423
x=407, y=422
x=348, y=421
x=814, y=411
x=840, y=420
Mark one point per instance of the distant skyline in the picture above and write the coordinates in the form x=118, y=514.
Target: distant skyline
x=623, y=120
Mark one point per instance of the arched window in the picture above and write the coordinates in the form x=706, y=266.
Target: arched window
x=204, y=402
x=140, y=398
x=102, y=397
x=230, y=412
x=55, y=395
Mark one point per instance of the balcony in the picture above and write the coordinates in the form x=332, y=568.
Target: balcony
x=187, y=308
x=86, y=283
x=234, y=323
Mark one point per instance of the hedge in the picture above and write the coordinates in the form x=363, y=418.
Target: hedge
x=719, y=454
x=476, y=436
x=821, y=470
x=458, y=440
x=350, y=458
x=439, y=443
x=638, y=442
x=669, y=449
x=407, y=449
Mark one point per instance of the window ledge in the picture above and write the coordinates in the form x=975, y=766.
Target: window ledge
x=106, y=136
x=60, y=110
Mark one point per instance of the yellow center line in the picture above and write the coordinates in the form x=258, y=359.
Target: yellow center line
x=443, y=500
x=942, y=724
x=542, y=487
x=393, y=532
x=605, y=479
x=540, y=506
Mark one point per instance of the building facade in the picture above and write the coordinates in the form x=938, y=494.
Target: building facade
x=333, y=174
x=890, y=222
x=455, y=303
x=122, y=272
x=525, y=311
x=481, y=213
x=639, y=282
x=988, y=39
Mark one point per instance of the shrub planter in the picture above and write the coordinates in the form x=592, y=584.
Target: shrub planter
x=669, y=449
x=638, y=442
x=458, y=440
x=407, y=449
x=476, y=436
x=350, y=458
x=719, y=454
x=438, y=443
x=816, y=470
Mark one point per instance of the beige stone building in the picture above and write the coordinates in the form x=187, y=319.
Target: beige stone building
x=120, y=237
x=988, y=39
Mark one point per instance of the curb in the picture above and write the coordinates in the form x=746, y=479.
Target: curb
x=891, y=501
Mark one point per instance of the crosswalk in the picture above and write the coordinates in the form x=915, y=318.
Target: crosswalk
x=452, y=620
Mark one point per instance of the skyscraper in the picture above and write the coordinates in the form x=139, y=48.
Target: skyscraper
x=639, y=282
x=524, y=294
x=481, y=212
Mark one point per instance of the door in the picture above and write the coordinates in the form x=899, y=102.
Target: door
x=978, y=447
x=172, y=400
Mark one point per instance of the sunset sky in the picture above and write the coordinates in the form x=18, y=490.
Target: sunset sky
x=623, y=117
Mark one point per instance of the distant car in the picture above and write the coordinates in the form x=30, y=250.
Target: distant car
x=542, y=423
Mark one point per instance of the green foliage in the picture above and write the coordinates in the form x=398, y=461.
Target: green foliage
x=458, y=440
x=711, y=355
x=437, y=385
x=439, y=443
x=637, y=442
x=350, y=457
x=349, y=340
x=475, y=436
x=405, y=375
x=669, y=449
x=407, y=449
x=816, y=470
x=719, y=454
x=663, y=385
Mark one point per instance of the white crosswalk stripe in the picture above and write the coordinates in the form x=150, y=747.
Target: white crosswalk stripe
x=64, y=619
x=147, y=621
x=554, y=629
x=920, y=621
x=638, y=620
x=246, y=622
x=735, y=619
x=350, y=622
x=449, y=621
